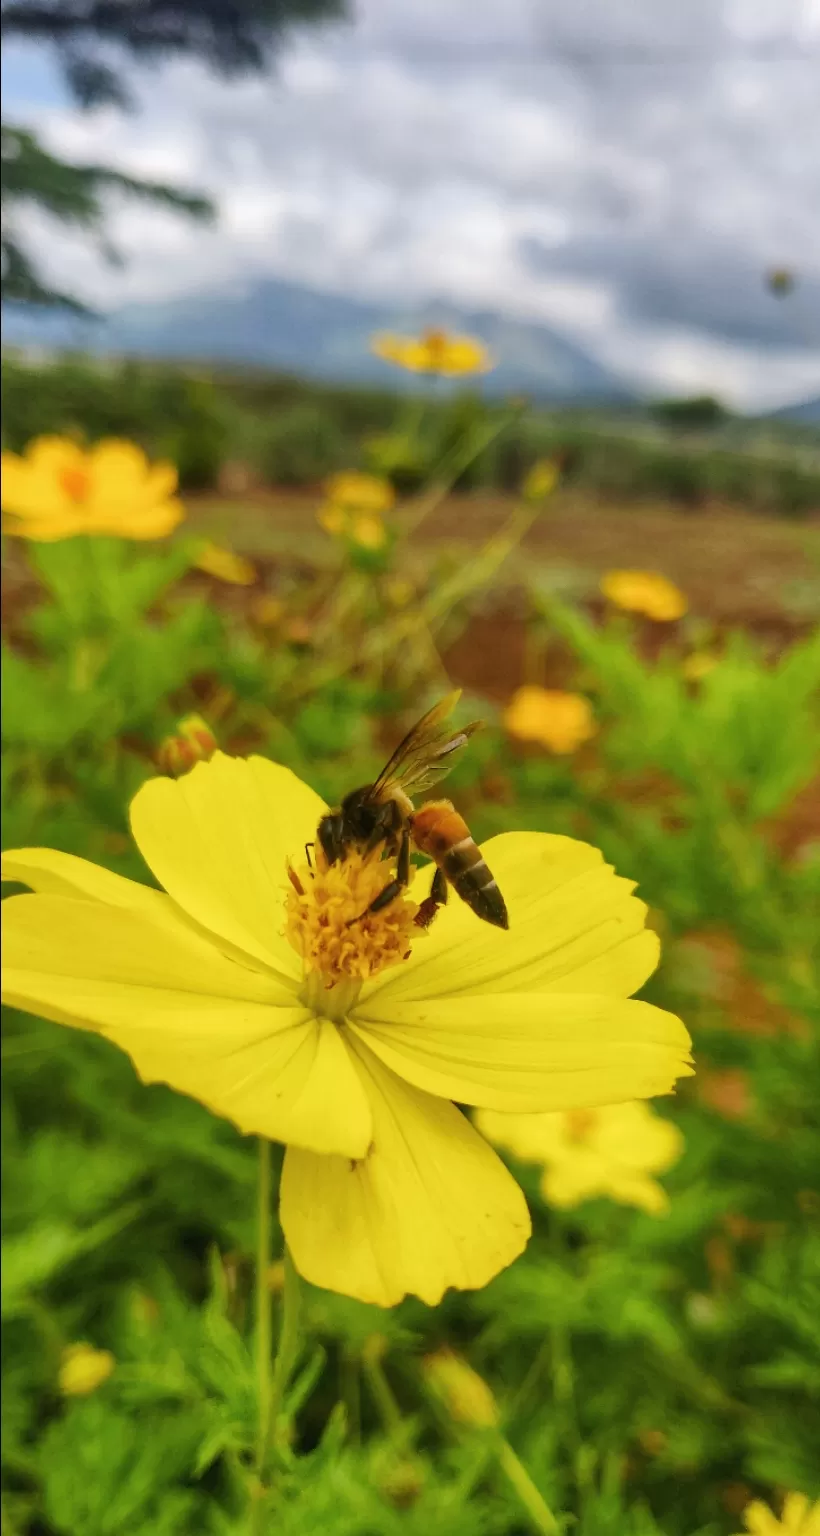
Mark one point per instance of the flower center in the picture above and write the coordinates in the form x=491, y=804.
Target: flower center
x=329, y=925
x=436, y=344
x=75, y=482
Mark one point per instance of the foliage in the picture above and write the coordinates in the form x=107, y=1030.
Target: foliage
x=70, y=193
x=652, y=1374
x=90, y=41
x=291, y=432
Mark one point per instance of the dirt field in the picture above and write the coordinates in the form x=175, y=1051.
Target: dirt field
x=735, y=568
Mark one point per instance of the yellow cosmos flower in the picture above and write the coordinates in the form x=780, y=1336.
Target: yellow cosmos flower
x=351, y=491
x=260, y=989
x=57, y=489
x=435, y=351
x=645, y=592
x=368, y=532
x=541, y=480
x=799, y=1518
x=559, y=721
x=612, y=1150
x=222, y=563
x=83, y=1369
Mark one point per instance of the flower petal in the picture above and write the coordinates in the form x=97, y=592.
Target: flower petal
x=525, y=1052
x=636, y=1139
x=64, y=874
x=232, y=1037
x=574, y=927
x=758, y=1519
x=218, y=839
x=431, y=1205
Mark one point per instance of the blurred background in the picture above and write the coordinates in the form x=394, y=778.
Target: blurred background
x=483, y=340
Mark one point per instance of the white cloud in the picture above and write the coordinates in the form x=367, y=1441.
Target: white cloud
x=605, y=168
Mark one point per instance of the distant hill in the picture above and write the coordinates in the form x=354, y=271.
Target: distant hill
x=807, y=413
x=287, y=327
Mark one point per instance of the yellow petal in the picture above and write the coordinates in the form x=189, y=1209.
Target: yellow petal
x=639, y=1190
x=574, y=927
x=525, y=1052
x=152, y=522
x=234, y=1038
x=119, y=467
x=567, y=1183
x=760, y=1521
x=217, y=840
x=161, y=480
x=633, y=1136
x=431, y=1206
x=64, y=874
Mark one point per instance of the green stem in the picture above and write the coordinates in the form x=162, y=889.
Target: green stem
x=263, y=1300
x=382, y=1392
x=540, y=1513
x=286, y=1352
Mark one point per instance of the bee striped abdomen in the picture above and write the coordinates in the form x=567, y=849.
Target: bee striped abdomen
x=439, y=831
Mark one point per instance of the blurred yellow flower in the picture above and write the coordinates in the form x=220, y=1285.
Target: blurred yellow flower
x=435, y=351
x=57, y=489
x=193, y=741
x=541, y=480
x=799, y=1518
x=465, y=1395
x=699, y=665
x=590, y=1152
x=252, y=986
x=559, y=721
x=83, y=1369
x=368, y=531
x=333, y=518
x=223, y=564
x=645, y=592
x=354, y=492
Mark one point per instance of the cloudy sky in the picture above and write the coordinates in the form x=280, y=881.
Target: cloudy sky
x=625, y=171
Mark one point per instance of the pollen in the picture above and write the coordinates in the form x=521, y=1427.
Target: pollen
x=328, y=923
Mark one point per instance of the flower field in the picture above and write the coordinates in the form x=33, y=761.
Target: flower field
x=335, y=1206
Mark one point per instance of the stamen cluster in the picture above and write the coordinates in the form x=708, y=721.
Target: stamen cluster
x=328, y=923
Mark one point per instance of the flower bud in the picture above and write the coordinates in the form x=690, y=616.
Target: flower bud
x=192, y=742
x=466, y=1397
x=83, y=1369
x=541, y=480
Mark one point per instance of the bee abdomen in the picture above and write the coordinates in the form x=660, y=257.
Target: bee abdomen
x=440, y=832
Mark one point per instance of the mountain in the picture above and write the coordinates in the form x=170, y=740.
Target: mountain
x=293, y=329
x=806, y=413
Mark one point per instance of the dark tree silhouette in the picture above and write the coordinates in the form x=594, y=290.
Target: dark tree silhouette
x=93, y=40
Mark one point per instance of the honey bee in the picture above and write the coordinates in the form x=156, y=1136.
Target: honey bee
x=383, y=813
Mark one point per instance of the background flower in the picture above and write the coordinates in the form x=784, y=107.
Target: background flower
x=434, y=351
x=799, y=1518
x=57, y=489
x=613, y=1150
x=559, y=721
x=645, y=592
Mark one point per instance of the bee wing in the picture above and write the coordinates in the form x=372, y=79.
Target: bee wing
x=427, y=752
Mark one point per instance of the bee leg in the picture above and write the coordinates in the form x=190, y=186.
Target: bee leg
x=438, y=890
x=388, y=825
x=429, y=907
x=394, y=887
x=308, y=847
